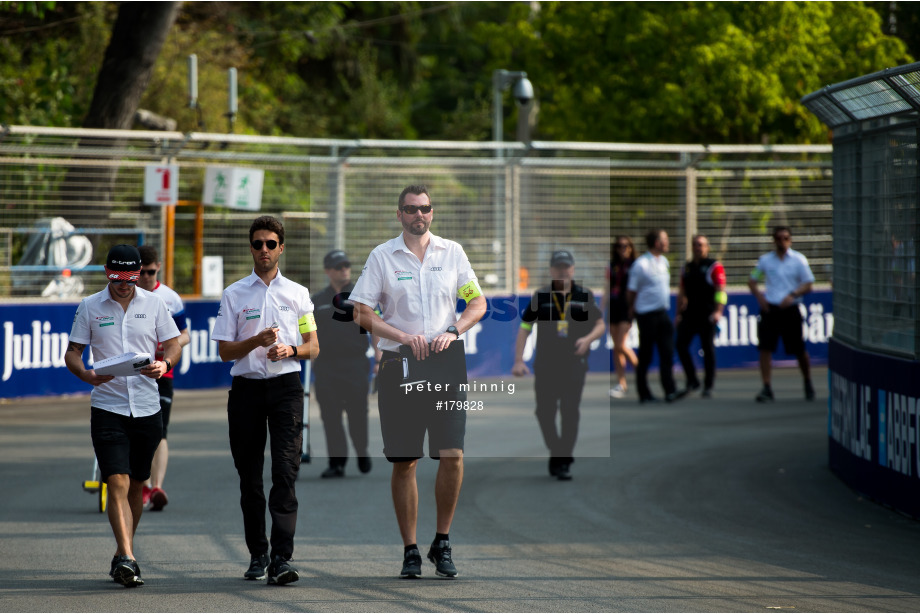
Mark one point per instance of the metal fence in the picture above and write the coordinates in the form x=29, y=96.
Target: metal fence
x=509, y=204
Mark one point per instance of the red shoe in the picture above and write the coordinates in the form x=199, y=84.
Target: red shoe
x=146, y=496
x=158, y=499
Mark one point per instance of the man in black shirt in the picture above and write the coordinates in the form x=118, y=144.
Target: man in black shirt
x=700, y=302
x=342, y=369
x=568, y=321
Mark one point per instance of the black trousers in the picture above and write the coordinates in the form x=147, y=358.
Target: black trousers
x=558, y=387
x=687, y=329
x=655, y=331
x=255, y=408
x=338, y=394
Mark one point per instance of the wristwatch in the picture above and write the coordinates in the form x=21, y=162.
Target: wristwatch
x=453, y=329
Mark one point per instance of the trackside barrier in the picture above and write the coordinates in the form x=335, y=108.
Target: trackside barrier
x=33, y=338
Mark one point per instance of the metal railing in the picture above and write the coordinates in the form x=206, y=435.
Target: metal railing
x=509, y=213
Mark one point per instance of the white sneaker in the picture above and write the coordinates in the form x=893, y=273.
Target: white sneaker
x=618, y=392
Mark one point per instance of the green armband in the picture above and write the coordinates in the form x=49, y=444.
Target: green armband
x=757, y=274
x=307, y=323
x=721, y=297
x=527, y=326
x=469, y=291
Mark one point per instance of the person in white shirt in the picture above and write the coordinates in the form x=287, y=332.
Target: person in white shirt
x=787, y=277
x=265, y=325
x=649, y=297
x=126, y=422
x=154, y=496
x=416, y=279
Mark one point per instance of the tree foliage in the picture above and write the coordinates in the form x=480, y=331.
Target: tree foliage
x=712, y=72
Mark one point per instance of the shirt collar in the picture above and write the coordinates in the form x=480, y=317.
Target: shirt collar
x=436, y=242
x=253, y=278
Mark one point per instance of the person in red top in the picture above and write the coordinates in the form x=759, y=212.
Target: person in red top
x=700, y=302
x=154, y=496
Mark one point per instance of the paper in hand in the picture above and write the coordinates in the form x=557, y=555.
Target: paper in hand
x=123, y=364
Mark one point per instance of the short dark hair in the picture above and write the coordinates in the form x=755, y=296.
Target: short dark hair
x=652, y=236
x=412, y=189
x=267, y=222
x=779, y=229
x=149, y=254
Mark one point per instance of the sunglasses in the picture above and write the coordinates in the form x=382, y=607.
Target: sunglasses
x=413, y=209
x=257, y=244
x=150, y=272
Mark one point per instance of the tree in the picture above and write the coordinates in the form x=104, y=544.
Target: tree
x=137, y=37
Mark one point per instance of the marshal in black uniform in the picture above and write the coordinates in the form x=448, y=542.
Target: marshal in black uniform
x=342, y=369
x=700, y=302
x=568, y=321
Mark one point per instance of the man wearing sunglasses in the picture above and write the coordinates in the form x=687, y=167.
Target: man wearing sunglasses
x=154, y=496
x=265, y=318
x=416, y=279
x=126, y=422
x=787, y=278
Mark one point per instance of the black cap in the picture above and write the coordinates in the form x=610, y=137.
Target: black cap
x=335, y=258
x=123, y=258
x=562, y=258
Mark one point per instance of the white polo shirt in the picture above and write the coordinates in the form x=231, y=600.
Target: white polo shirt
x=783, y=275
x=176, y=310
x=418, y=298
x=249, y=306
x=109, y=330
x=650, y=279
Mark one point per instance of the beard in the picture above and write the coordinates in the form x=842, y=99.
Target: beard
x=416, y=227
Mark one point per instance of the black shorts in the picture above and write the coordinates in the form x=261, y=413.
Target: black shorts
x=785, y=323
x=617, y=312
x=125, y=445
x=165, y=385
x=406, y=416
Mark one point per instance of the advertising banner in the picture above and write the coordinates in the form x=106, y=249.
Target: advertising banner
x=872, y=425
x=34, y=338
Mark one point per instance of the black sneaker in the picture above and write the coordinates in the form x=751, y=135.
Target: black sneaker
x=364, y=464
x=281, y=572
x=257, y=567
x=126, y=572
x=562, y=473
x=439, y=554
x=334, y=471
x=692, y=387
x=707, y=393
x=412, y=564
x=765, y=395
x=809, y=391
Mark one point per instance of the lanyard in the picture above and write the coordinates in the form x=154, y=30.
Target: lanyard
x=565, y=305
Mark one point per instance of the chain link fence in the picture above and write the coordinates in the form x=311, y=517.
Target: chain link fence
x=509, y=204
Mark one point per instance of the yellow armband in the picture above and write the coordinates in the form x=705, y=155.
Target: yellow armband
x=527, y=326
x=307, y=323
x=469, y=291
x=721, y=297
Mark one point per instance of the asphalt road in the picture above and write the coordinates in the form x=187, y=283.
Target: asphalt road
x=703, y=505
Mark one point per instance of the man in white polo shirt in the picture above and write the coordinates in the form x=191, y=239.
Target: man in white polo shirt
x=416, y=280
x=265, y=325
x=126, y=423
x=787, y=277
x=649, y=297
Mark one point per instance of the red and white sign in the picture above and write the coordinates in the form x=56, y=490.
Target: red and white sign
x=161, y=184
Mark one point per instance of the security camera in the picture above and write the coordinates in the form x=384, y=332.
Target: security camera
x=523, y=91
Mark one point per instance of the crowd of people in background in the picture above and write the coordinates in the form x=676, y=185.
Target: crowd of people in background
x=639, y=288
